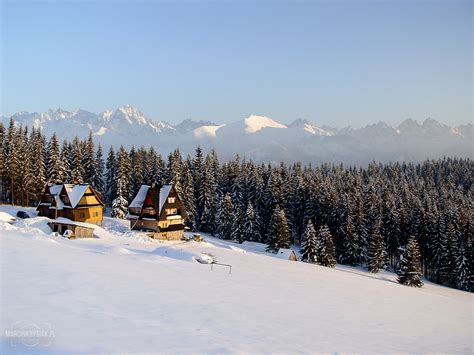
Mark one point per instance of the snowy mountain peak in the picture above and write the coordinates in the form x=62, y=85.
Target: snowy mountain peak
x=255, y=123
x=309, y=127
x=299, y=122
x=433, y=127
x=131, y=116
x=126, y=113
x=409, y=126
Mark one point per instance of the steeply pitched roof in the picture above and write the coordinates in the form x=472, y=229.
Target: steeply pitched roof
x=164, y=192
x=58, y=203
x=74, y=192
x=55, y=189
x=139, y=200
x=158, y=197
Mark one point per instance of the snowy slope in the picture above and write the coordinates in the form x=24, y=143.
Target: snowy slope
x=125, y=293
x=261, y=138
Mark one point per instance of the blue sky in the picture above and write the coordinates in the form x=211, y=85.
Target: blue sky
x=334, y=62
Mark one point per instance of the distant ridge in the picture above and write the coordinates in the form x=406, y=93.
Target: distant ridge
x=259, y=137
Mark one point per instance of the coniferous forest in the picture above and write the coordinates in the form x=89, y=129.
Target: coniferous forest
x=368, y=216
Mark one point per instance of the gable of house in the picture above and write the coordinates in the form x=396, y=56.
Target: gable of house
x=72, y=201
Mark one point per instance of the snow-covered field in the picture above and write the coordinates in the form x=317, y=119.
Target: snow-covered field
x=122, y=292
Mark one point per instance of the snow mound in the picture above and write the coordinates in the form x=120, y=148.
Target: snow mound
x=240, y=250
x=173, y=253
x=140, y=237
x=35, y=224
x=6, y=217
x=7, y=226
x=122, y=250
x=205, y=258
x=255, y=123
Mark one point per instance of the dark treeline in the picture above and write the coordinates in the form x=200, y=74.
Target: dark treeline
x=363, y=213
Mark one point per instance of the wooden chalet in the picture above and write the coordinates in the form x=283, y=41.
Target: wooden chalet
x=158, y=209
x=77, y=202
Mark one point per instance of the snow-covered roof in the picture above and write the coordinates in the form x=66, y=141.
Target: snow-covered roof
x=284, y=253
x=59, y=202
x=68, y=221
x=75, y=193
x=164, y=192
x=55, y=189
x=139, y=200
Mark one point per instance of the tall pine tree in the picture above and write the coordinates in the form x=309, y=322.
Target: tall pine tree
x=409, y=272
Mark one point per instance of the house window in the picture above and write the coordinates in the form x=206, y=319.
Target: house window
x=171, y=199
x=170, y=211
x=82, y=215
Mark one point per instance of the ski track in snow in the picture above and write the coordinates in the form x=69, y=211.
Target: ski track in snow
x=124, y=292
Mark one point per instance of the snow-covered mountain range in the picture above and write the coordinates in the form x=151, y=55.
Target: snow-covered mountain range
x=261, y=138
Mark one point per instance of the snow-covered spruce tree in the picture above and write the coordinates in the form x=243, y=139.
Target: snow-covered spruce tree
x=187, y=194
x=326, y=252
x=136, y=173
x=119, y=205
x=309, y=247
x=198, y=174
x=17, y=166
x=110, y=177
x=66, y=161
x=409, y=272
x=25, y=179
x=88, y=160
x=360, y=228
x=465, y=258
x=9, y=163
x=226, y=216
x=238, y=230
x=77, y=168
x=151, y=171
x=391, y=227
x=37, y=166
x=376, y=250
x=98, y=176
x=278, y=233
x=208, y=196
x=350, y=243
x=251, y=227
x=174, y=169
x=448, y=266
x=55, y=166
x=2, y=164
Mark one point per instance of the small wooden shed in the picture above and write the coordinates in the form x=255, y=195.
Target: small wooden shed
x=287, y=254
x=79, y=231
